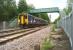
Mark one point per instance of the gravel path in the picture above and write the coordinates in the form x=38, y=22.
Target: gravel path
x=27, y=42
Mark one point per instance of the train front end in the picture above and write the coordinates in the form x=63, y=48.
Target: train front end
x=23, y=20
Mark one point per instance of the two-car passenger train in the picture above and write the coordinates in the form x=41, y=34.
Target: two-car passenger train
x=26, y=20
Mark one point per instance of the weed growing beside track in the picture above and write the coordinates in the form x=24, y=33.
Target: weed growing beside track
x=46, y=44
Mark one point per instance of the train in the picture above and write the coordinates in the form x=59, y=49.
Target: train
x=26, y=20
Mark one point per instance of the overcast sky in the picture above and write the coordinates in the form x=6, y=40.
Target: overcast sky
x=47, y=4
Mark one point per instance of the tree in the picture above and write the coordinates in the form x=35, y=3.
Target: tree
x=67, y=10
x=30, y=7
x=22, y=6
x=7, y=9
x=45, y=16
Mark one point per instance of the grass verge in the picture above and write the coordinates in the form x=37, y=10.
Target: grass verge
x=46, y=45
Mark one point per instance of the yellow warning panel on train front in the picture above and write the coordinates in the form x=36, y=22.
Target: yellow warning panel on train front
x=22, y=20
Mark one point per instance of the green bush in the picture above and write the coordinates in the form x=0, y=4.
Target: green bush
x=46, y=45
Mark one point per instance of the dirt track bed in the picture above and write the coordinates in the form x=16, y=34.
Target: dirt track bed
x=60, y=40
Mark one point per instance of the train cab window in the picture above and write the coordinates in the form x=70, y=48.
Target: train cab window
x=25, y=16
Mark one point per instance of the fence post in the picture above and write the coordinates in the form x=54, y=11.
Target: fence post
x=4, y=25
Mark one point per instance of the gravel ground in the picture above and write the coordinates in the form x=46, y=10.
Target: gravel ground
x=28, y=42
x=60, y=41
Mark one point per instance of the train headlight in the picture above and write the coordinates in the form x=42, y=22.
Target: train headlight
x=18, y=21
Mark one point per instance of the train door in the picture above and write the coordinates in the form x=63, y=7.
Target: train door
x=22, y=19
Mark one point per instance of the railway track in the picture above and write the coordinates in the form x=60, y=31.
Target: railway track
x=4, y=38
x=8, y=33
x=9, y=30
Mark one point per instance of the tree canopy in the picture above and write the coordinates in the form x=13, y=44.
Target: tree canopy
x=45, y=16
x=67, y=10
x=7, y=9
x=22, y=6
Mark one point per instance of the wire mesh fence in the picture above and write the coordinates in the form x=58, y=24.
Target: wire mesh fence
x=66, y=22
x=8, y=24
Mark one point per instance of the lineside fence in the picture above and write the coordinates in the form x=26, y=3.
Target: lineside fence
x=66, y=22
x=8, y=24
